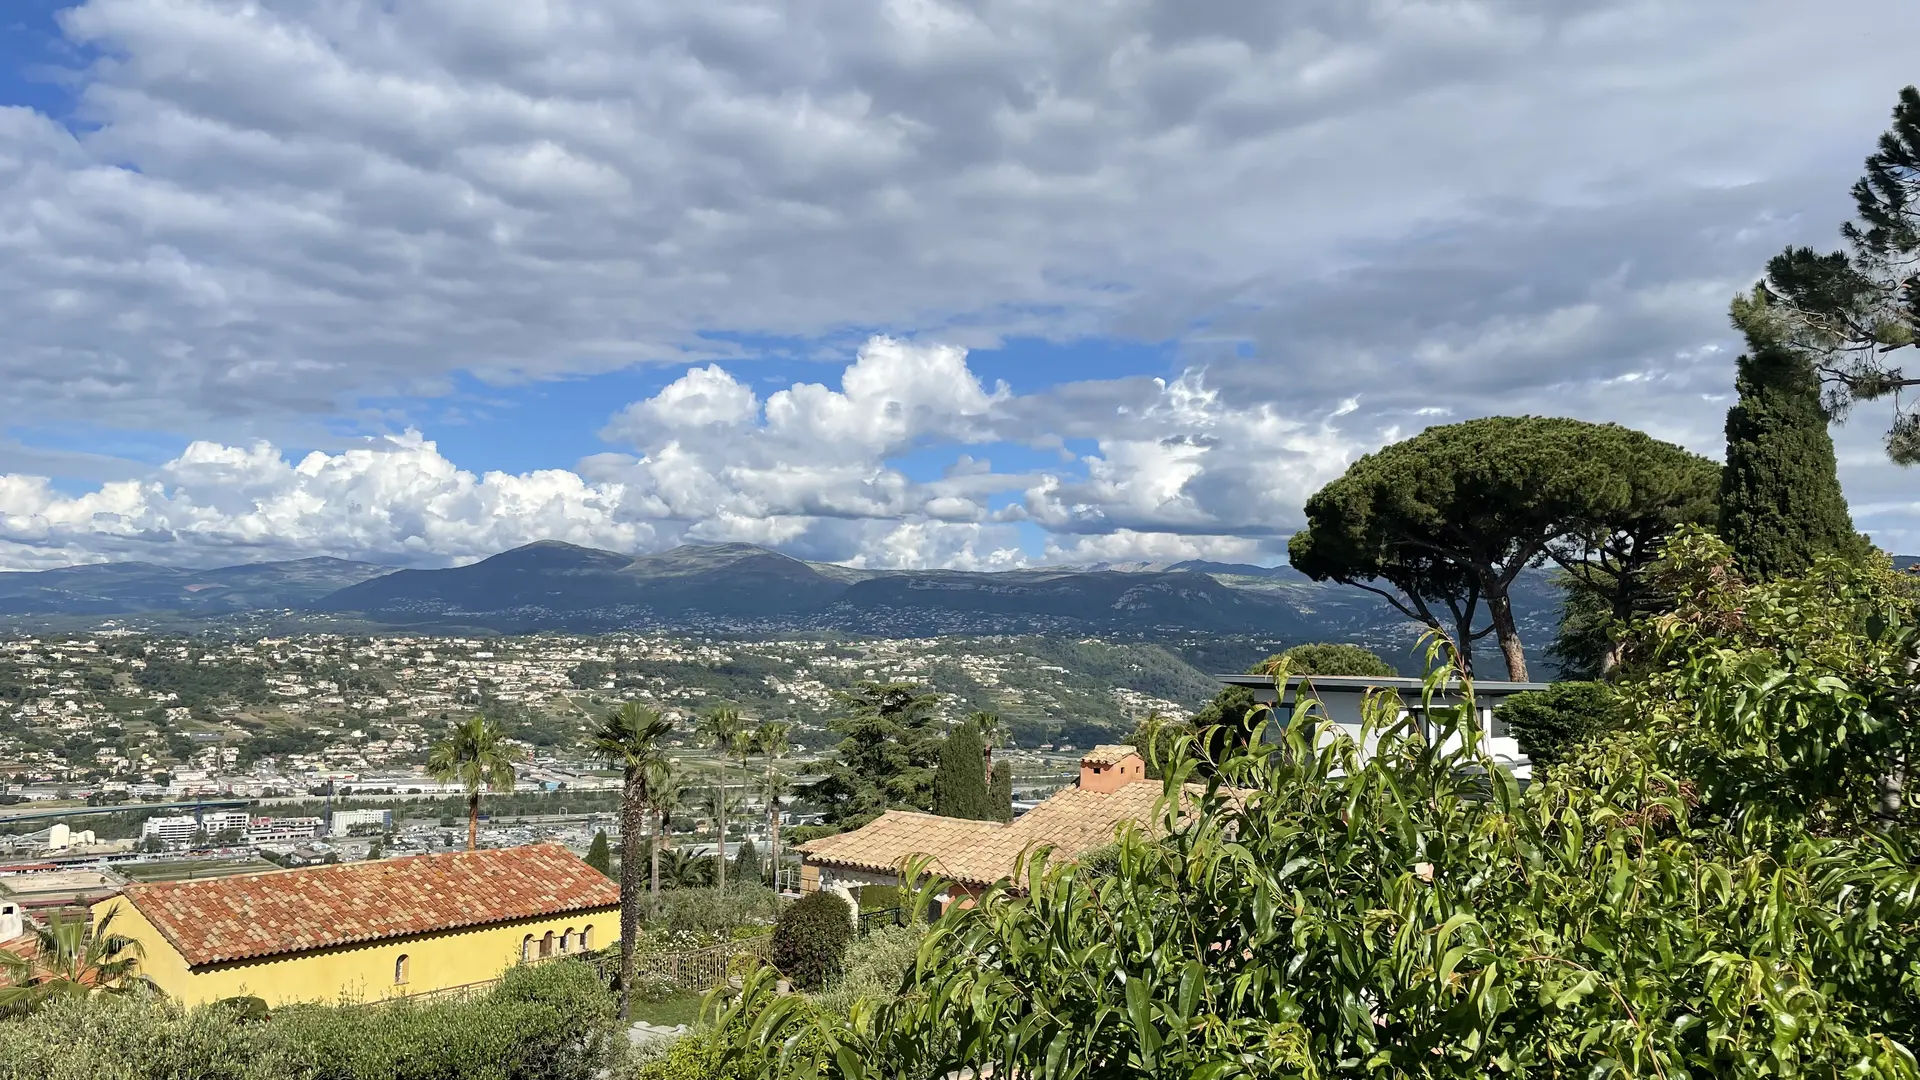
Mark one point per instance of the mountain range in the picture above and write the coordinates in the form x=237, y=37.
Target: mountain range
x=740, y=588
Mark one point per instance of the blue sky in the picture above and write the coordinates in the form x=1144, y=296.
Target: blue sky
x=922, y=283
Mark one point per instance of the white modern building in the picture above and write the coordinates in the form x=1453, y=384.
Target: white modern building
x=179, y=829
x=272, y=830
x=345, y=821
x=1342, y=699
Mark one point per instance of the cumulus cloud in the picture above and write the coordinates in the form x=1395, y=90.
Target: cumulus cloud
x=264, y=215
x=1178, y=470
x=395, y=500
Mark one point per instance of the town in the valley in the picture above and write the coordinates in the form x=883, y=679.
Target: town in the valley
x=302, y=749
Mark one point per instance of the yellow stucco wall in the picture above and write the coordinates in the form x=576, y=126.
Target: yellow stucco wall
x=359, y=972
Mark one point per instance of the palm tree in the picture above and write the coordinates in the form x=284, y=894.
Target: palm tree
x=720, y=806
x=993, y=732
x=669, y=795
x=722, y=729
x=64, y=959
x=685, y=870
x=633, y=741
x=474, y=754
x=770, y=739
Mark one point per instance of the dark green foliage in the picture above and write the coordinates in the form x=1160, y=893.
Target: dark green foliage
x=547, y=1022
x=1443, y=522
x=886, y=757
x=706, y=910
x=1587, y=636
x=1229, y=706
x=1780, y=501
x=1326, y=658
x=746, y=865
x=1706, y=892
x=960, y=784
x=1552, y=723
x=810, y=939
x=202, y=685
x=600, y=853
x=1000, y=792
x=1853, y=314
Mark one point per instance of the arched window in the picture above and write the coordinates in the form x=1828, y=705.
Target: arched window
x=400, y=970
x=526, y=948
x=546, y=945
x=566, y=941
x=586, y=937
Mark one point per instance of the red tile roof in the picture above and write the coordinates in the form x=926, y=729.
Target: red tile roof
x=291, y=911
x=1070, y=822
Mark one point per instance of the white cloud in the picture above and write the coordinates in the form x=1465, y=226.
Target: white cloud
x=1350, y=216
x=810, y=473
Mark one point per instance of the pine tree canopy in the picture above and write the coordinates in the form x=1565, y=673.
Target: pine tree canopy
x=1443, y=523
x=1855, y=315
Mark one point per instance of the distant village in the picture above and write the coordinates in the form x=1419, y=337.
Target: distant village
x=308, y=749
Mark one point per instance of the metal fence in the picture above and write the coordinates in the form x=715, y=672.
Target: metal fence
x=698, y=969
x=892, y=916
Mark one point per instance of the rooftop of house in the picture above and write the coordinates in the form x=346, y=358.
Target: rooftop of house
x=1355, y=684
x=1107, y=754
x=293, y=911
x=1070, y=822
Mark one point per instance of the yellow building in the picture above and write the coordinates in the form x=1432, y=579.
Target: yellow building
x=368, y=930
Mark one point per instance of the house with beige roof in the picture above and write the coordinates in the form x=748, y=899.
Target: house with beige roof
x=367, y=930
x=1113, y=788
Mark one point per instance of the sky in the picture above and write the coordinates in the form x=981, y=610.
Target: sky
x=897, y=283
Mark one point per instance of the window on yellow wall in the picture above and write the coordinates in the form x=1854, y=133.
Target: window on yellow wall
x=526, y=948
x=400, y=970
x=566, y=940
x=546, y=945
x=586, y=938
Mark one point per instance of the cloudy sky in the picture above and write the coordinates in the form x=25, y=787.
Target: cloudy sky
x=973, y=283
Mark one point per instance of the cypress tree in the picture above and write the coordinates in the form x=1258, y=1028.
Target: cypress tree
x=1780, y=501
x=960, y=784
x=747, y=863
x=1000, y=791
x=600, y=853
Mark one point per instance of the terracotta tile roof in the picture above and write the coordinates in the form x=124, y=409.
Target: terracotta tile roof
x=1107, y=754
x=298, y=910
x=982, y=852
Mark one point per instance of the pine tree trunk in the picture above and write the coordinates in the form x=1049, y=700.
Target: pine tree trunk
x=1500, y=606
x=473, y=820
x=631, y=826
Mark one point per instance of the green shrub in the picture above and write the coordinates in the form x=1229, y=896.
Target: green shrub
x=1551, y=723
x=810, y=939
x=710, y=911
x=699, y=1056
x=1327, y=658
x=548, y=1022
x=875, y=967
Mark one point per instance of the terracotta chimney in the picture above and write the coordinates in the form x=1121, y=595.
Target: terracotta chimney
x=1107, y=769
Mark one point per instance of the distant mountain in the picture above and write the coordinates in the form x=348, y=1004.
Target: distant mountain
x=740, y=588
x=1141, y=599
x=551, y=584
x=138, y=588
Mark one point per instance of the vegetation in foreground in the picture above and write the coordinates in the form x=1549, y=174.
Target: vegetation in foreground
x=546, y=1022
x=1724, y=887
